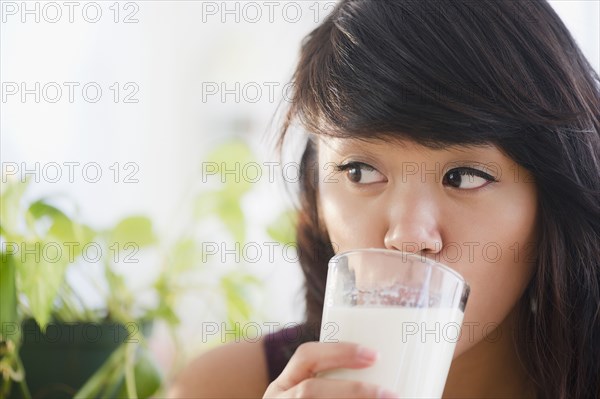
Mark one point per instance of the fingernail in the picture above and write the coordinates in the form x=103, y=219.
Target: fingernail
x=386, y=394
x=367, y=354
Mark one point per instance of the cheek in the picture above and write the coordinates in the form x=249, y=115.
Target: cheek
x=498, y=266
x=349, y=223
x=495, y=290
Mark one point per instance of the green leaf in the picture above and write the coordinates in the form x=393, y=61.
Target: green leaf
x=167, y=293
x=165, y=312
x=41, y=208
x=8, y=299
x=10, y=204
x=231, y=214
x=230, y=152
x=283, y=229
x=185, y=255
x=136, y=229
x=39, y=276
x=61, y=225
x=205, y=204
x=237, y=308
x=85, y=234
x=232, y=162
x=237, y=287
x=226, y=206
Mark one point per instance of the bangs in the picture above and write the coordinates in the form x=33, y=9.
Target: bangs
x=398, y=69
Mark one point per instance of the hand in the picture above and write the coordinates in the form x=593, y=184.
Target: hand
x=298, y=379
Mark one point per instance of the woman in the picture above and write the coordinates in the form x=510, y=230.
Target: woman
x=467, y=132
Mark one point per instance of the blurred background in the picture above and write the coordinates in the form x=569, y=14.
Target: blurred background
x=147, y=127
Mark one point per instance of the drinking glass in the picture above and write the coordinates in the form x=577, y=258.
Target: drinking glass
x=406, y=306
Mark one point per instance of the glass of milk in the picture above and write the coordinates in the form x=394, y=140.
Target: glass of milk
x=406, y=306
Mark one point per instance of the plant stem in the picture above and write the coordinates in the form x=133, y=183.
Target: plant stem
x=23, y=382
x=102, y=375
x=130, y=372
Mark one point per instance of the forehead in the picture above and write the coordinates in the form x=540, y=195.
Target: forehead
x=401, y=146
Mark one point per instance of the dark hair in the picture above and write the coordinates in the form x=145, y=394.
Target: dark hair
x=467, y=72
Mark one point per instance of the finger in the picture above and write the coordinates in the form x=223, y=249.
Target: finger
x=332, y=388
x=313, y=357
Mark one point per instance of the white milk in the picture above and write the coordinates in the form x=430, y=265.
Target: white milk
x=415, y=345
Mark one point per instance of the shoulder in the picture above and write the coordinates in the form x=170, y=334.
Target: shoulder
x=234, y=370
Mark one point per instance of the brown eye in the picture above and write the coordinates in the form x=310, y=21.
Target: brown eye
x=453, y=178
x=361, y=173
x=354, y=174
x=467, y=178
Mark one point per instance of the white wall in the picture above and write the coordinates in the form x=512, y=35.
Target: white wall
x=582, y=18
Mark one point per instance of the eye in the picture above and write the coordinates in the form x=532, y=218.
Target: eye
x=467, y=178
x=361, y=173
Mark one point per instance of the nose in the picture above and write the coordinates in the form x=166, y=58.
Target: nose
x=414, y=225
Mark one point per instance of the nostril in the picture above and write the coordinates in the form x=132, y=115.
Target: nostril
x=434, y=247
x=416, y=241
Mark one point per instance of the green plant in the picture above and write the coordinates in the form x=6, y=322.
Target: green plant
x=39, y=243
x=34, y=283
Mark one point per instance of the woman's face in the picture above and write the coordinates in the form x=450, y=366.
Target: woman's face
x=471, y=208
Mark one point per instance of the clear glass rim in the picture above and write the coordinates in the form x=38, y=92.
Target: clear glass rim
x=396, y=253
